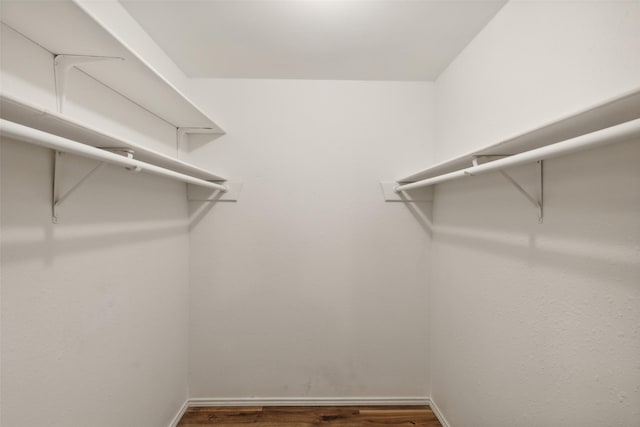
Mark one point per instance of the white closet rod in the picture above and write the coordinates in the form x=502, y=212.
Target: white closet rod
x=617, y=133
x=44, y=139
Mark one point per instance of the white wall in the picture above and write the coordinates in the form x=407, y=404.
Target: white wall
x=538, y=324
x=95, y=308
x=536, y=61
x=311, y=285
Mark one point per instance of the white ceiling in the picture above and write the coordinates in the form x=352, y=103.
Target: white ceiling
x=313, y=39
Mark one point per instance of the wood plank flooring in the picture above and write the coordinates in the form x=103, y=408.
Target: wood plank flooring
x=306, y=416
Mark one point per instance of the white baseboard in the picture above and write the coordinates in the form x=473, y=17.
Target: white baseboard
x=181, y=411
x=307, y=401
x=438, y=413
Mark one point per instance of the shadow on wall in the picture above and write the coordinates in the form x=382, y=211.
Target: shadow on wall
x=198, y=210
x=45, y=244
x=557, y=253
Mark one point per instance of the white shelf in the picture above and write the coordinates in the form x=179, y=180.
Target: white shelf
x=610, y=113
x=146, y=76
x=25, y=113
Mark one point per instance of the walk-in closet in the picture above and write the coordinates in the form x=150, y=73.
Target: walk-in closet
x=320, y=213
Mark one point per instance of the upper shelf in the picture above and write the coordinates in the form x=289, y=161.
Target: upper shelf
x=146, y=76
x=615, y=111
x=25, y=113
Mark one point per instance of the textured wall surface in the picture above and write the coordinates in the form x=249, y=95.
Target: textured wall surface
x=94, y=308
x=538, y=324
x=311, y=285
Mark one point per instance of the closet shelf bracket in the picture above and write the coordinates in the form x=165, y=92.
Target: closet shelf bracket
x=61, y=66
x=537, y=202
x=59, y=196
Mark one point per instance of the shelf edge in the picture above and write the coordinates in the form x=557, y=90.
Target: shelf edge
x=116, y=21
x=40, y=113
x=450, y=164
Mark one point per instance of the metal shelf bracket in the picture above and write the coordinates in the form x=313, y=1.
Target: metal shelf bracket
x=61, y=66
x=59, y=196
x=536, y=201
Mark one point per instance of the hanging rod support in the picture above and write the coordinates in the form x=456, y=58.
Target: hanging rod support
x=59, y=198
x=475, y=161
x=617, y=133
x=126, y=152
x=61, y=66
x=536, y=202
x=518, y=187
x=59, y=144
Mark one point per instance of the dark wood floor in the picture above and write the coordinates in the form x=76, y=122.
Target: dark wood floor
x=304, y=416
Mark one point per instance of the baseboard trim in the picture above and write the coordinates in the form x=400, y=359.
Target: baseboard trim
x=179, y=414
x=308, y=401
x=438, y=413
